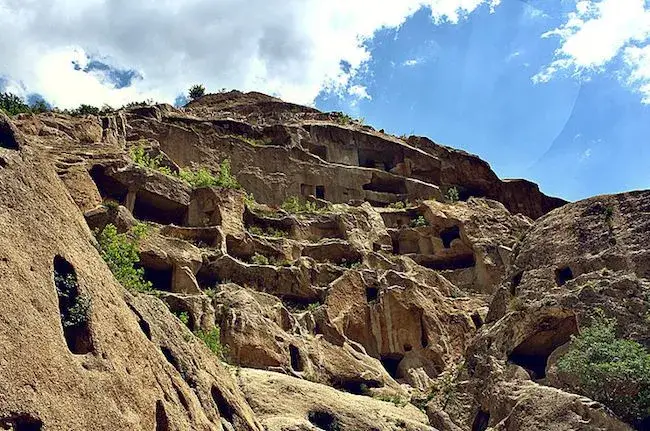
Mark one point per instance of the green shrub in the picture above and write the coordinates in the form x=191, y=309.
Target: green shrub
x=295, y=205
x=196, y=91
x=204, y=178
x=212, y=339
x=610, y=370
x=84, y=109
x=120, y=251
x=259, y=259
x=313, y=306
x=397, y=205
x=419, y=222
x=142, y=159
x=452, y=195
x=184, y=317
x=77, y=313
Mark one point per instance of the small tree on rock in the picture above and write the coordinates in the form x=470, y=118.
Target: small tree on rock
x=196, y=91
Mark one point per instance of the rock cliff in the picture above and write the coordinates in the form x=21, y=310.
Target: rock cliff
x=244, y=263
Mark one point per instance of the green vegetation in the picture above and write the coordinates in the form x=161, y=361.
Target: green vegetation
x=420, y=221
x=452, y=195
x=212, y=339
x=84, y=109
x=313, y=306
x=252, y=141
x=395, y=399
x=111, y=204
x=295, y=205
x=120, y=251
x=196, y=91
x=142, y=159
x=610, y=370
x=260, y=259
x=184, y=317
x=77, y=313
x=196, y=178
x=268, y=231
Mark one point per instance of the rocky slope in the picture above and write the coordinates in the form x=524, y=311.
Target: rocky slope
x=370, y=300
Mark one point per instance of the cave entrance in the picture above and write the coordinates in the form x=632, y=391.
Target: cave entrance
x=223, y=406
x=532, y=354
x=562, y=275
x=21, y=422
x=162, y=421
x=481, y=421
x=396, y=186
x=372, y=294
x=107, y=186
x=383, y=160
x=320, y=192
x=462, y=261
x=323, y=420
x=155, y=208
x=319, y=150
x=391, y=363
x=161, y=279
x=296, y=359
x=448, y=235
x=74, y=308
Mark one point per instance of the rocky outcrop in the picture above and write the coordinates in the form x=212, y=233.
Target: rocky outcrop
x=371, y=300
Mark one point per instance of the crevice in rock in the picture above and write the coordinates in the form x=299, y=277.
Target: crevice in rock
x=74, y=308
x=172, y=359
x=481, y=421
x=324, y=420
x=476, y=318
x=532, y=354
x=463, y=261
x=562, y=275
x=296, y=359
x=515, y=282
x=391, y=363
x=223, y=407
x=144, y=326
x=183, y=400
x=162, y=421
x=21, y=422
x=448, y=235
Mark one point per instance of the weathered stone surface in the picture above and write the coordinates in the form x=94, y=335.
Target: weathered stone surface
x=285, y=403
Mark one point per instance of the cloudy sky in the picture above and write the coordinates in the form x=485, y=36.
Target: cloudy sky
x=556, y=92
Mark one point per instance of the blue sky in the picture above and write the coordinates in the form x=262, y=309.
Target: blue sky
x=555, y=92
x=472, y=88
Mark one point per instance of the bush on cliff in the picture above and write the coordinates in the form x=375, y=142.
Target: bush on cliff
x=120, y=251
x=196, y=91
x=610, y=370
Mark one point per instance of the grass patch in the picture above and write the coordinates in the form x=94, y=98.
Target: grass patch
x=295, y=205
x=420, y=221
x=212, y=339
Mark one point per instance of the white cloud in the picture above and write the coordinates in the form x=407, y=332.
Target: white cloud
x=292, y=48
x=359, y=91
x=411, y=62
x=585, y=155
x=599, y=31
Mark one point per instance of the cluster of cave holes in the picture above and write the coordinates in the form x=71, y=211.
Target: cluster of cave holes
x=324, y=420
x=74, y=308
x=532, y=354
x=21, y=422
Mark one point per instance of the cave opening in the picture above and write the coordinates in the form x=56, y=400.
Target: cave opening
x=481, y=421
x=21, y=422
x=296, y=359
x=448, y=235
x=515, y=282
x=162, y=421
x=223, y=406
x=157, y=209
x=396, y=186
x=372, y=294
x=562, y=275
x=532, y=354
x=391, y=363
x=74, y=308
x=107, y=186
x=323, y=420
x=320, y=192
x=161, y=279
